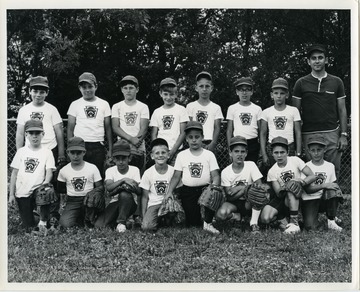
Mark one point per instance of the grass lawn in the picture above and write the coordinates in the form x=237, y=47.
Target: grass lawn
x=180, y=255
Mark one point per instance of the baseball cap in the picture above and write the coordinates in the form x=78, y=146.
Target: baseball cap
x=157, y=142
x=203, y=74
x=193, y=125
x=87, y=77
x=316, y=139
x=279, y=141
x=39, y=81
x=244, y=81
x=34, y=125
x=129, y=79
x=121, y=147
x=76, y=143
x=316, y=47
x=280, y=83
x=238, y=140
x=168, y=81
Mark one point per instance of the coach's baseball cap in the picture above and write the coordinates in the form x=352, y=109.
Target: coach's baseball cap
x=76, y=143
x=168, y=81
x=193, y=125
x=34, y=125
x=203, y=74
x=316, y=47
x=129, y=79
x=279, y=141
x=238, y=140
x=87, y=77
x=244, y=81
x=39, y=81
x=316, y=139
x=121, y=147
x=280, y=83
x=157, y=142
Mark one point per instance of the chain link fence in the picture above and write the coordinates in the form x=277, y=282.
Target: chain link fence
x=222, y=154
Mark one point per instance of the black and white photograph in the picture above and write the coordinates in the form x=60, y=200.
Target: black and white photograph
x=180, y=146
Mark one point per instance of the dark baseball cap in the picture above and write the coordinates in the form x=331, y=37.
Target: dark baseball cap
x=76, y=143
x=34, y=125
x=279, y=141
x=203, y=74
x=238, y=140
x=316, y=139
x=129, y=79
x=244, y=81
x=316, y=47
x=39, y=81
x=168, y=81
x=193, y=125
x=87, y=77
x=280, y=83
x=121, y=147
x=158, y=142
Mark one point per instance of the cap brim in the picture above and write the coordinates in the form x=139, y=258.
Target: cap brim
x=243, y=83
x=193, y=128
x=280, y=86
x=87, y=80
x=40, y=85
x=123, y=153
x=34, y=129
x=316, y=142
x=238, y=143
x=76, y=148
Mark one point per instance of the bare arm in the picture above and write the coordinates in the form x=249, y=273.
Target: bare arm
x=108, y=133
x=154, y=133
x=325, y=186
x=179, y=140
x=310, y=176
x=12, y=187
x=115, y=122
x=217, y=127
x=296, y=102
x=263, y=140
x=59, y=133
x=173, y=183
x=298, y=141
x=48, y=175
x=229, y=131
x=144, y=125
x=215, y=177
x=342, y=143
x=144, y=201
x=20, y=136
x=70, y=126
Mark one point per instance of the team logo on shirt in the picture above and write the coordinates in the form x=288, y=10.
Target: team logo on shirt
x=37, y=116
x=79, y=183
x=161, y=187
x=287, y=175
x=201, y=117
x=91, y=112
x=195, y=169
x=241, y=182
x=167, y=122
x=130, y=118
x=31, y=164
x=245, y=118
x=320, y=178
x=280, y=122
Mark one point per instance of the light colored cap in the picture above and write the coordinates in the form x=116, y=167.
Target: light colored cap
x=39, y=81
x=87, y=77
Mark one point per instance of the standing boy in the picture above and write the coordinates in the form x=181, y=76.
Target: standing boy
x=284, y=170
x=197, y=168
x=280, y=120
x=121, y=181
x=235, y=178
x=317, y=196
x=40, y=110
x=169, y=121
x=89, y=119
x=32, y=166
x=130, y=120
x=205, y=111
x=244, y=118
x=75, y=180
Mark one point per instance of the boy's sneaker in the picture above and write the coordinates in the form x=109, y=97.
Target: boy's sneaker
x=120, y=228
x=235, y=217
x=137, y=221
x=292, y=228
x=333, y=226
x=255, y=229
x=283, y=223
x=210, y=228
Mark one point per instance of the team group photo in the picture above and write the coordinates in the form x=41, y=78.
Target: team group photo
x=179, y=146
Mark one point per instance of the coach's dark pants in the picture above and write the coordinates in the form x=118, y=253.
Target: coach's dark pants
x=96, y=154
x=253, y=150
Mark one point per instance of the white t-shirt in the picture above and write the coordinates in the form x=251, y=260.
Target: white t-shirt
x=196, y=169
x=46, y=113
x=168, y=122
x=90, y=117
x=31, y=165
x=244, y=119
x=113, y=174
x=206, y=115
x=324, y=174
x=157, y=184
x=281, y=123
x=79, y=182
x=292, y=170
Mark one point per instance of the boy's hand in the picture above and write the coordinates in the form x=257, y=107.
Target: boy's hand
x=266, y=160
x=168, y=195
x=342, y=143
x=332, y=186
x=171, y=154
x=11, y=200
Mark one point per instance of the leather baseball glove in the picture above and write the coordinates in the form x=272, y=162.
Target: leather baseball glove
x=337, y=193
x=45, y=195
x=212, y=197
x=294, y=187
x=257, y=195
x=123, y=187
x=172, y=206
x=95, y=199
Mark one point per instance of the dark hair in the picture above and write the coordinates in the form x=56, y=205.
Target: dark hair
x=158, y=142
x=168, y=88
x=126, y=82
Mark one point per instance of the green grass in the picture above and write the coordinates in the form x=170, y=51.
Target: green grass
x=180, y=255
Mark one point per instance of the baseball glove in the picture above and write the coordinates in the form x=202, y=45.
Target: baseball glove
x=95, y=199
x=45, y=195
x=172, y=207
x=123, y=187
x=329, y=194
x=294, y=187
x=257, y=195
x=212, y=197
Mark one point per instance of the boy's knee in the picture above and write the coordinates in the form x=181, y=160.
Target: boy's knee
x=266, y=218
x=148, y=226
x=125, y=196
x=222, y=214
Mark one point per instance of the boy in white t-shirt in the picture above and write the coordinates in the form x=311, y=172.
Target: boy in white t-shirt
x=280, y=120
x=169, y=121
x=32, y=166
x=316, y=198
x=244, y=118
x=89, y=119
x=130, y=120
x=206, y=112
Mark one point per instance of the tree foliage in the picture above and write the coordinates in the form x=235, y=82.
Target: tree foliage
x=156, y=43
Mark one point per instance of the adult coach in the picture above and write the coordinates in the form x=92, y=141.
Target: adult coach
x=320, y=98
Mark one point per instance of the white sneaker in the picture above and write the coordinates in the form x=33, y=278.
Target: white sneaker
x=283, y=223
x=292, y=228
x=120, y=228
x=210, y=228
x=332, y=225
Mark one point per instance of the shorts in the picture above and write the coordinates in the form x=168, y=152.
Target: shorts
x=241, y=208
x=279, y=204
